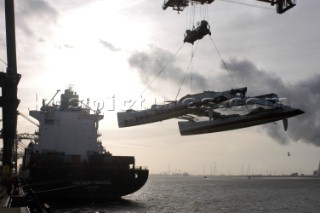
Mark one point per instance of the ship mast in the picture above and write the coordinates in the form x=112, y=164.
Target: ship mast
x=9, y=83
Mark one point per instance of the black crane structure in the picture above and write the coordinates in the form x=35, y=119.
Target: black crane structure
x=179, y=5
x=281, y=5
x=9, y=102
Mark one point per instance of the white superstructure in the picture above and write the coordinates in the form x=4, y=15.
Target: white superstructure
x=68, y=127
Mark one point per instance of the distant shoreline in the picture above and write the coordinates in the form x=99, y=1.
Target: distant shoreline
x=242, y=176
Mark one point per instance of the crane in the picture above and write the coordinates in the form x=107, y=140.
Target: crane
x=27, y=118
x=9, y=101
x=53, y=97
x=281, y=5
x=179, y=5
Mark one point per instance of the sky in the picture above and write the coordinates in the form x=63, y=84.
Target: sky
x=113, y=52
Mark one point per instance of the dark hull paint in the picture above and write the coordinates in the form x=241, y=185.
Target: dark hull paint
x=96, y=181
x=193, y=128
x=101, y=187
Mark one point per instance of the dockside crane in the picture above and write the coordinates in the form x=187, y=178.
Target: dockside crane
x=27, y=118
x=179, y=5
x=9, y=101
x=281, y=5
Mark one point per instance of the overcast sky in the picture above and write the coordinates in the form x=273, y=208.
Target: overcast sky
x=112, y=52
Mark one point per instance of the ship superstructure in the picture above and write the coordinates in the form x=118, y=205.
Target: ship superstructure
x=69, y=127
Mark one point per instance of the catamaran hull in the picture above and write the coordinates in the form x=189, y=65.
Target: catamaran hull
x=135, y=118
x=225, y=124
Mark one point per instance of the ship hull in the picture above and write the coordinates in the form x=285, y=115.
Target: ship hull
x=91, y=185
x=101, y=177
x=204, y=127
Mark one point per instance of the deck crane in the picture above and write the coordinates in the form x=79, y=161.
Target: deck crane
x=53, y=97
x=179, y=5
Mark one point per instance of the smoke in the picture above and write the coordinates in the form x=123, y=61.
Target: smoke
x=304, y=94
x=161, y=65
x=109, y=46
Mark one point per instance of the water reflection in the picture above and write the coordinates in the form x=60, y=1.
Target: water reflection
x=123, y=205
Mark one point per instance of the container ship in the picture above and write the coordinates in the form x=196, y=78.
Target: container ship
x=68, y=162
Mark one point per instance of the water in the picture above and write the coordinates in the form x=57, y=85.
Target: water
x=215, y=194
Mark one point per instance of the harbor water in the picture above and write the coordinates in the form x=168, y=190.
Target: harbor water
x=214, y=194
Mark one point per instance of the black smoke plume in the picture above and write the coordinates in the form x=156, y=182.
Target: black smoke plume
x=304, y=94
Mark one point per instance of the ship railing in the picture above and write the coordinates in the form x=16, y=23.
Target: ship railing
x=140, y=168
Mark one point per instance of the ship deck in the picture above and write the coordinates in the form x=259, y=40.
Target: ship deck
x=5, y=202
